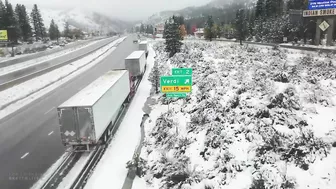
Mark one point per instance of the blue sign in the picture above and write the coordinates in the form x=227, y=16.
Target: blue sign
x=321, y=4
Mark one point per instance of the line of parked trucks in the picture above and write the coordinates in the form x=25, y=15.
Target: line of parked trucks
x=87, y=118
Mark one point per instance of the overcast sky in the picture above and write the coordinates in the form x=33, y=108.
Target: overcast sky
x=123, y=9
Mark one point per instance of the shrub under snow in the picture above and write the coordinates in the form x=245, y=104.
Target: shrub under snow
x=257, y=118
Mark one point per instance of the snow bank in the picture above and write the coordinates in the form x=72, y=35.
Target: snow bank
x=20, y=95
x=111, y=169
x=257, y=118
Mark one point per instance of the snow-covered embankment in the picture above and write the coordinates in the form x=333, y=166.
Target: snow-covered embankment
x=257, y=118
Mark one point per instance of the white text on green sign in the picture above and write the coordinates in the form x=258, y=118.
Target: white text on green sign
x=176, y=95
x=182, y=71
x=185, y=80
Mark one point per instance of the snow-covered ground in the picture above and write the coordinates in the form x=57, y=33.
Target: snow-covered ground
x=70, y=178
x=111, y=170
x=256, y=118
x=15, y=67
x=20, y=95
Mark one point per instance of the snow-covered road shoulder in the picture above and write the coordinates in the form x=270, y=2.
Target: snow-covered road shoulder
x=256, y=118
x=111, y=169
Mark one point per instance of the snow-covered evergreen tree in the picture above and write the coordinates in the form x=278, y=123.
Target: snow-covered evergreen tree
x=2, y=14
x=39, y=29
x=154, y=78
x=172, y=36
x=23, y=22
x=240, y=25
x=53, y=30
x=66, y=31
x=208, y=29
x=260, y=9
x=270, y=8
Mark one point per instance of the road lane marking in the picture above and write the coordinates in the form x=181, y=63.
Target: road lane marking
x=50, y=133
x=26, y=154
x=49, y=110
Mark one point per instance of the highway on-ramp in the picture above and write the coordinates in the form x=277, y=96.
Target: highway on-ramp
x=30, y=138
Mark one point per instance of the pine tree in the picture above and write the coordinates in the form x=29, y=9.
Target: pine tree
x=39, y=29
x=10, y=22
x=23, y=22
x=208, y=33
x=260, y=9
x=9, y=15
x=155, y=77
x=172, y=37
x=142, y=28
x=271, y=8
x=58, y=33
x=53, y=33
x=240, y=25
x=2, y=15
x=279, y=7
x=66, y=31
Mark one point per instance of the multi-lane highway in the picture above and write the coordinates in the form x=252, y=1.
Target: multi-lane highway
x=8, y=79
x=30, y=139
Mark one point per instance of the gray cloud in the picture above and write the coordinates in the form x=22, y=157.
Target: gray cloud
x=123, y=9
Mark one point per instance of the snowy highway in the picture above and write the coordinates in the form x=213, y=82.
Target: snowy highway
x=10, y=74
x=30, y=138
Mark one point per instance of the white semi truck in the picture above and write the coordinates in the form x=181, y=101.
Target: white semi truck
x=87, y=117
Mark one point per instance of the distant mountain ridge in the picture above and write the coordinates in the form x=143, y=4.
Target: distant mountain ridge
x=83, y=19
x=192, y=12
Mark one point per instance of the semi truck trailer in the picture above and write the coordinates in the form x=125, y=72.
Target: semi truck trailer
x=135, y=63
x=143, y=46
x=88, y=115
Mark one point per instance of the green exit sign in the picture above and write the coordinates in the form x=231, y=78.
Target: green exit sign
x=185, y=80
x=182, y=71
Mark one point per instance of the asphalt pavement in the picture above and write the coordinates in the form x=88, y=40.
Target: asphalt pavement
x=30, y=138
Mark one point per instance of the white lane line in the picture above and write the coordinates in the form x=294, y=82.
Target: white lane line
x=51, y=133
x=26, y=154
x=49, y=110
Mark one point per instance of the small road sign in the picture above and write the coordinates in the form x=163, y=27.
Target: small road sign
x=176, y=95
x=175, y=83
x=3, y=36
x=182, y=71
x=324, y=26
x=170, y=89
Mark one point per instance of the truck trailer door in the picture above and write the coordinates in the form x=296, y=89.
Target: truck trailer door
x=69, y=131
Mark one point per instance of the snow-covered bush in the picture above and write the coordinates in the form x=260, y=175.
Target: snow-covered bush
x=138, y=164
x=251, y=108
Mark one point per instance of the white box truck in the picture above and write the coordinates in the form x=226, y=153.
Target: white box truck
x=85, y=116
x=135, y=63
x=143, y=46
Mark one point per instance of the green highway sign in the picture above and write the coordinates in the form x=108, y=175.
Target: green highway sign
x=182, y=71
x=185, y=80
x=172, y=84
x=176, y=95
